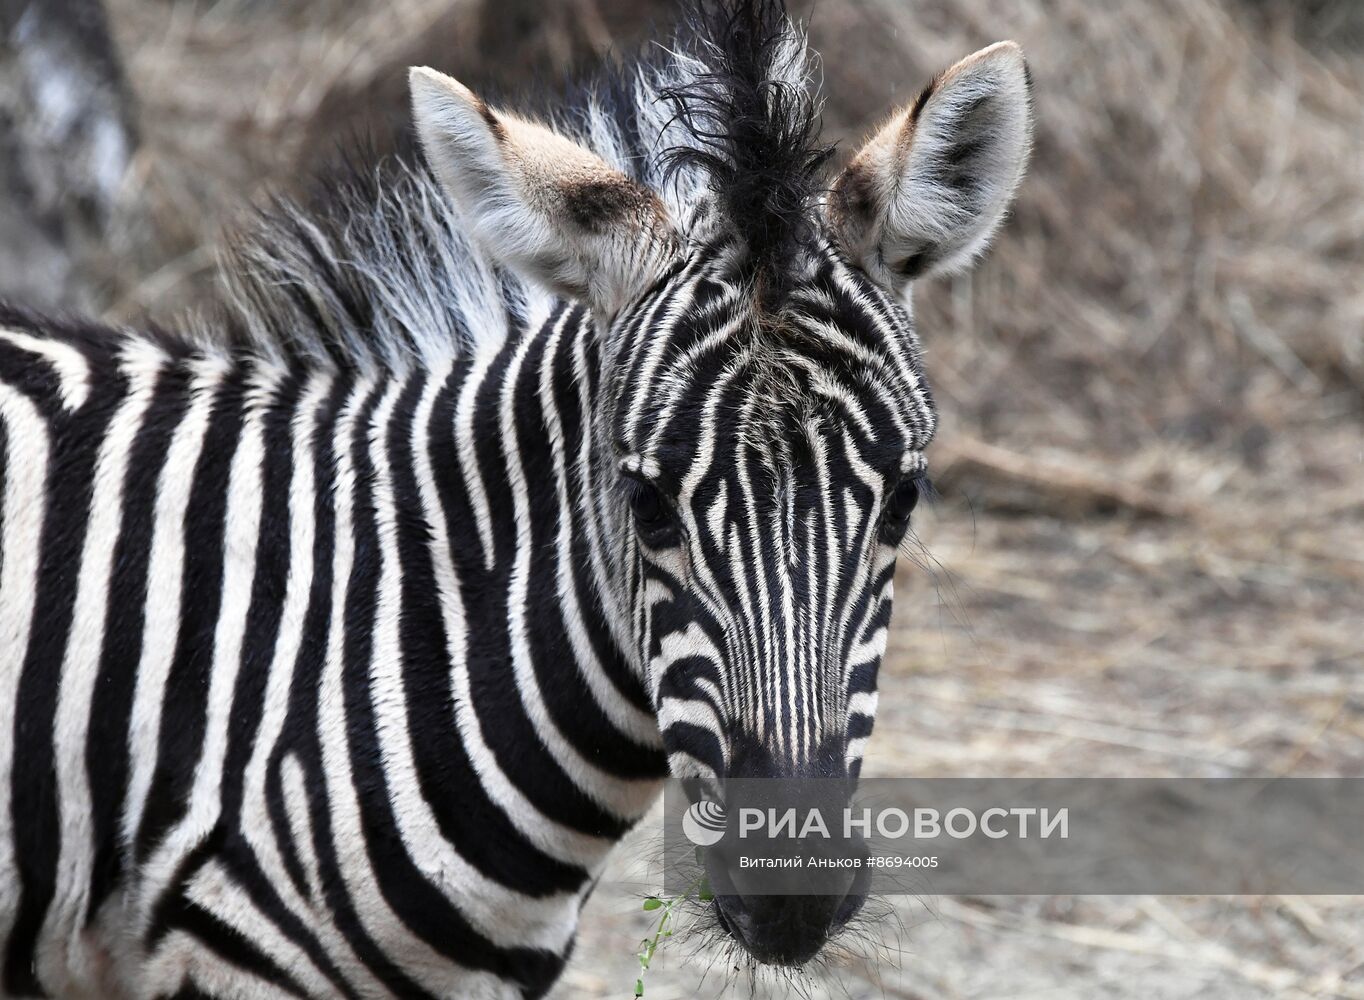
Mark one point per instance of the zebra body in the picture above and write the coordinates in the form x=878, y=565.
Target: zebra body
x=269, y=632
x=343, y=635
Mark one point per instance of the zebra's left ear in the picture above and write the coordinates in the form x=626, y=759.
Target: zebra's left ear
x=539, y=203
x=926, y=193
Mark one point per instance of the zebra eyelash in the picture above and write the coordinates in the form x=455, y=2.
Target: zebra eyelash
x=638, y=490
x=652, y=510
x=894, y=528
x=928, y=492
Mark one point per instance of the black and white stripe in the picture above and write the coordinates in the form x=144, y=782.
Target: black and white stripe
x=342, y=639
x=342, y=747
x=319, y=678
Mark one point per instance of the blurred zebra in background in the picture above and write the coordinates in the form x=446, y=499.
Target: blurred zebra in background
x=342, y=636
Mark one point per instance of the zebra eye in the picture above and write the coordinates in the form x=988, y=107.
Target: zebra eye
x=902, y=503
x=647, y=504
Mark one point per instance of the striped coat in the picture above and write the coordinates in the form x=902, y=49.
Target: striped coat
x=344, y=631
x=235, y=563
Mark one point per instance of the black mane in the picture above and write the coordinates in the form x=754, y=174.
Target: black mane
x=755, y=131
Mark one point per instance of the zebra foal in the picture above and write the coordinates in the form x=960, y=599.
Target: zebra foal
x=343, y=635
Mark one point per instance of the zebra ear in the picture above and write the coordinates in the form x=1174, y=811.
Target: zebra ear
x=926, y=193
x=537, y=202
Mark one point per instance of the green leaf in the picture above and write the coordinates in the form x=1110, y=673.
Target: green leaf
x=653, y=903
x=639, y=987
x=703, y=893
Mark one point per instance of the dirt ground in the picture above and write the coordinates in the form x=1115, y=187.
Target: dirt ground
x=1148, y=558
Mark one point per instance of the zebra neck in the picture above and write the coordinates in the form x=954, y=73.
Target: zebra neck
x=531, y=581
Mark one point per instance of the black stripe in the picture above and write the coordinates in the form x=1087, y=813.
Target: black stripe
x=510, y=735
x=479, y=830
x=584, y=503
x=697, y=741
x=262, y=633
x=229, y=944
x=268, y=590
x=73, y=451
x=237, y=859
x=185, y=698
x=33, y=376
x=106, y=752
x=299, y=735
x=417, y=903
x=571, y=707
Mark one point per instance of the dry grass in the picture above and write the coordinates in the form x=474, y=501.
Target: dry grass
x=1149, y=558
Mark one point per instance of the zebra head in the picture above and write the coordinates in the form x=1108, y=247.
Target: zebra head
x=761, y=410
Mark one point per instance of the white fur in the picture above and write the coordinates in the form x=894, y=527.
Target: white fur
x=504, y=916
x=625, y=799
x=63, y=959
x=431, y=970
x=164, y=575
x=27, y=442
x=553, y=838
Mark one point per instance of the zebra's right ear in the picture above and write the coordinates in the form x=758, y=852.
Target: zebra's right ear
x=539, y=203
